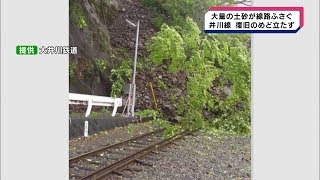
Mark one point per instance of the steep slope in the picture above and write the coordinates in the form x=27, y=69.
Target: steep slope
x=122, y=34
x=103, y=37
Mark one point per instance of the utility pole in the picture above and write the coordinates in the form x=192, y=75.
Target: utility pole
x=132, y=91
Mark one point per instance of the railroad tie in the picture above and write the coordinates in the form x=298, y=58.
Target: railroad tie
x=143, y=163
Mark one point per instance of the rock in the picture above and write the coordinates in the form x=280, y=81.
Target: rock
x=227, y=90
x=114, y=4
x=167, y=106
x=206, y=114
x=240, y=105
x=169, y=110
x=132, y=46
x=123, y=10
x=174, y=80
x=177, y=118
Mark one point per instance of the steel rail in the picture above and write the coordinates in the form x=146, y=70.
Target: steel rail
x=107, y=170
x=94, y=152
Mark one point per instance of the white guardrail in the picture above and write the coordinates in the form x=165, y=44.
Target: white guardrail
x=91, y=100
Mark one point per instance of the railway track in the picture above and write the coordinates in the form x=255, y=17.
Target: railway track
x=101, y=163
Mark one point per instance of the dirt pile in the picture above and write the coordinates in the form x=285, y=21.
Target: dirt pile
x=168, y=90
x=122, y=34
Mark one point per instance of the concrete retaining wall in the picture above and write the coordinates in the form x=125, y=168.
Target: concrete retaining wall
x=76, y=125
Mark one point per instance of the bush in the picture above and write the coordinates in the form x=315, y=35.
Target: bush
x=119, y=77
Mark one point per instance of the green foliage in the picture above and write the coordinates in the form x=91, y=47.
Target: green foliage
x=158, y=20
x=238, y=121
x=162, y=85
x=88, y=73
x=173, y=99
x=94, y=114
x=77, y=15
x=169, y=129
x=130, y=129
x=237, y=70
x=178, y=10
x=72, y=71
x=103, y=41
x=201, y=73
x=158, y=13
x=167, y=48
x=222, y=58
x=190, y=34
x=101, y=65
x=149, y=112
x=102, y=112
x=100, y=68
x=119, y=77
x=158, y=122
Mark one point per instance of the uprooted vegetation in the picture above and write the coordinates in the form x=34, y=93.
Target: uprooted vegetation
x=199, y=80
x=217, y=69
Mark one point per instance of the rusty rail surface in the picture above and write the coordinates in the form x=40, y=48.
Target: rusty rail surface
x=120, y=165
x=103, y=149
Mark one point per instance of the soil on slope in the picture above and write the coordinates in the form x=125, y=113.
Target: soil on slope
x=123, y=35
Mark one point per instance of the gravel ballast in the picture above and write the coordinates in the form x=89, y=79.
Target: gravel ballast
x=203, y=155
x=104, y=138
